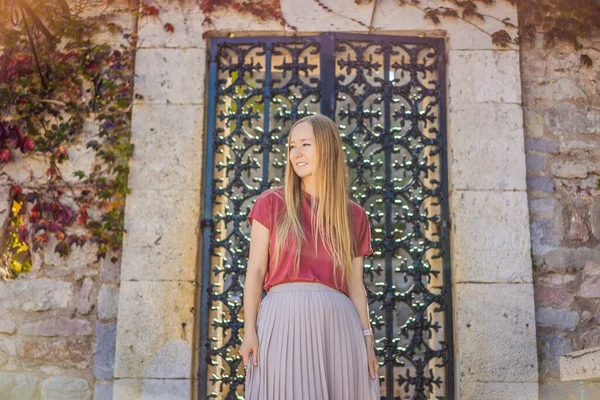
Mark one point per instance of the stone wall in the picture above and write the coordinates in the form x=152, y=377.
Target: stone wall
x=58, y=322
x=561, y=100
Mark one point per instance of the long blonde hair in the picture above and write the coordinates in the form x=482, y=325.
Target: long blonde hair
x=329, y=213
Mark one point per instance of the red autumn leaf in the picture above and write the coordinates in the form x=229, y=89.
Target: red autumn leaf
x=27, y=145
x=82, y=219
x=22, y=57
x=169, y=27
x=92, y=67
x=59, y=151
x=42, y=225
x=39, y=240
x=23, y=233
x=62, y=214
x=150, y=10
x=34, y=214
x=15, y=190
x=59, y=235
x=55, y=227
x=82, y=214
x=4, y=155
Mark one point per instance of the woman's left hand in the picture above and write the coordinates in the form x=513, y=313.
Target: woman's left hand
x=372, y=362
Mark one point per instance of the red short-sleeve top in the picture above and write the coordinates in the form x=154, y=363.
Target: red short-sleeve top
x=315, y=266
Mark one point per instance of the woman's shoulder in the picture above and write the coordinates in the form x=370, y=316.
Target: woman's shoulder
x=355, y=208
x=274, y=193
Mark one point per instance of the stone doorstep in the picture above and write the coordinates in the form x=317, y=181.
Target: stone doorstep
x=582, y=365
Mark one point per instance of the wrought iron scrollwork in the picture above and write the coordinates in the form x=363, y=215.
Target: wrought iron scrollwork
x=386, y=94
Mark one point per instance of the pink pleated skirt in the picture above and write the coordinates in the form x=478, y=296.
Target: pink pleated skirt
x=311, y=347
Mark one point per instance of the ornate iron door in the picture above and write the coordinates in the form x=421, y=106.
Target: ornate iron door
x=387, y=95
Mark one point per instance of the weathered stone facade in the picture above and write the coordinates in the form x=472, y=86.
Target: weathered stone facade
x=561, y=100
x=58, y=322
x=524, y=164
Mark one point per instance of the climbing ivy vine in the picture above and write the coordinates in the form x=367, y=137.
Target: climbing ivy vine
x=45, y=111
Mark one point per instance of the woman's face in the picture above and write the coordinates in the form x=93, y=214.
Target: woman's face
x=301, y=148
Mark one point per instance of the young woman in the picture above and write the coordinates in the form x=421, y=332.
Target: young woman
x=310, y=337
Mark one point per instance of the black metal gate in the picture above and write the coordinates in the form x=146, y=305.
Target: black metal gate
x=387, y=95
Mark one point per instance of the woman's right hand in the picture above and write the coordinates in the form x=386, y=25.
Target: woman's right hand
x=249, y=348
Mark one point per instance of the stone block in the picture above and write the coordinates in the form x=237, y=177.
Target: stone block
x=186, y=19
x=556, y=279
x=61, y=326
x=87, y=296
x=35, y=295
x=110, y=271
x=590, y=288
x=553, y=296
x=534, y=124
x=72, y=352
x=561, y=319
x=66, y=388
x=533, y=63
x=15, y=386
x=499, y=390
x=590, y=390
x=310, y=17
x=108, y=301
x=491, y=336
x=168, y=150
x=161, y=244
x=554, y=90
x=103, y=391
x=104, y=354
x=573, y=146
x=544, y=208
x=546, y=234
x=566, y=88
x=79, y=257
x=570, y=169
x=542, y=145
x=550, y=348
x=590, y=338
x=490, y=237
x=170, y=75
x=29, y=168
x=540, y=184
x=155, y=330
x=578, y=230
x=582, y=365
x=535, y=162
x=153, y=389
x=566, y=118
x=566, y=259
x=7, y=327
x=592, y=268
x=485, y=69
x=486, y=148
x=562, y=391
x=564, y=62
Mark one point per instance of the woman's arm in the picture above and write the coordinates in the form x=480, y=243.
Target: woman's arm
x=255, y=277
x=255, y=273
x=358, y=293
